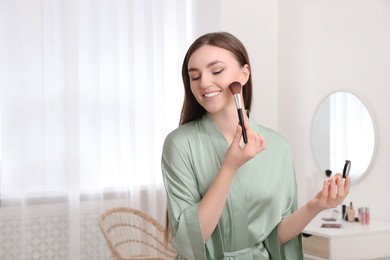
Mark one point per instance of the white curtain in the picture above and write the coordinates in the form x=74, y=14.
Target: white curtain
x=89, y=90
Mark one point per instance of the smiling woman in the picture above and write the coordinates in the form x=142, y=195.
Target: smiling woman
x=204, y=73
x=228, y=198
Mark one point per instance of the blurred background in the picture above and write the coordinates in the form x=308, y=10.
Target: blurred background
x=90, y=89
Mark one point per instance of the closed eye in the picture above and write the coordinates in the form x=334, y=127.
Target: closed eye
x=218, y=72
x=194, y=75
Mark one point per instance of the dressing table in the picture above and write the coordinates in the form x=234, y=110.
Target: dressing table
x=352, y=241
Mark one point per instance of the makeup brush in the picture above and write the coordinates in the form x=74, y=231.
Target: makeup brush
x=235, y=88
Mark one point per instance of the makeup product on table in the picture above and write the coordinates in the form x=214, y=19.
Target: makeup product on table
x=351, y=213
x=235, y=88
x=364, y=215
x=335, y=214
x=344, y=212
x=331, y=225
x=367, y=215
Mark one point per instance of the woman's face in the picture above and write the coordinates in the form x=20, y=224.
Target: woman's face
x=211, y=70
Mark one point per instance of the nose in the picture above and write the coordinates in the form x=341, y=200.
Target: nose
x=205, y=81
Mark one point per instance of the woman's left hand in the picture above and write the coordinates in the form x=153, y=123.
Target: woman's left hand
x=333, y=193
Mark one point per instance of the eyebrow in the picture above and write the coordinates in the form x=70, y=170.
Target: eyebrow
x=207, y=66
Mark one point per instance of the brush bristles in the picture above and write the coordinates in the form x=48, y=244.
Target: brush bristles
x=235, y=87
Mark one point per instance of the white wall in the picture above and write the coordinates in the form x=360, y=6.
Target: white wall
x=325, y=46
x=303, y=50
x=255, y=24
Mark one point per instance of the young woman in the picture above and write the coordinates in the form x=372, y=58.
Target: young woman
x=227, y=199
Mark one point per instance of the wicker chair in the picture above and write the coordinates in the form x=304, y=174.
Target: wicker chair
x=133, y=234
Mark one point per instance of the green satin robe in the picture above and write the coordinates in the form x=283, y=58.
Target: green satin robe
x=262, y=193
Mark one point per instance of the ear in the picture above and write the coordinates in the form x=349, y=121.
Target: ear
x=245, y=74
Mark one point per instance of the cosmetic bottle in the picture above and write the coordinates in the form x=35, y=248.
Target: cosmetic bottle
x=362, y=216
x=351, y=213
x=367, y=215
x=344, y=215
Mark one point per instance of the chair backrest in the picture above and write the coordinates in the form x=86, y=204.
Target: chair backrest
x=133, y=234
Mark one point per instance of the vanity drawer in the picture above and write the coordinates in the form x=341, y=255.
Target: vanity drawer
x=316, y=246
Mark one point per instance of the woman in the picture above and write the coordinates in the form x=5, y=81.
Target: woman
x=226, y=199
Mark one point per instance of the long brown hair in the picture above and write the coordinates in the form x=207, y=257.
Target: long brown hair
x=191, y=109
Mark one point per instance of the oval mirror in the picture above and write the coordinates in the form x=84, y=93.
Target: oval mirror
x=343, y=130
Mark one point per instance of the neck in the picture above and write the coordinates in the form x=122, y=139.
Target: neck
x=227, y=121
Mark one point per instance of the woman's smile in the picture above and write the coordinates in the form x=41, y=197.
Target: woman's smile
x=212, y=94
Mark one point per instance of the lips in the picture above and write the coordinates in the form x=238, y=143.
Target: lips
x=212, y=94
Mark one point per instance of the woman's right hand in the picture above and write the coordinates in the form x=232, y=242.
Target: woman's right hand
x=239, y=153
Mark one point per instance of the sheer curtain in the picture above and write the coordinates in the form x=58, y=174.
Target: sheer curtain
x=89, y=90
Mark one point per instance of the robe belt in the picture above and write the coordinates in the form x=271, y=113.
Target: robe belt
x=258, y=251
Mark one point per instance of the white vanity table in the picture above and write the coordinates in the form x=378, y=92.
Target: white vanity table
x=351, y=241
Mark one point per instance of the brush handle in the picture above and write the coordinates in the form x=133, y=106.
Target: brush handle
x=241, y=119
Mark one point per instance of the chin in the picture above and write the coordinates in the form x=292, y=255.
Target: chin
x=213, y=110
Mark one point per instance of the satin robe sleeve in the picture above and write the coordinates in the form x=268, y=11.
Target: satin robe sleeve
x=183, y=198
